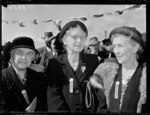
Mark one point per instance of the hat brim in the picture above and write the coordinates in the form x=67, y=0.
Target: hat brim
x=24, y=46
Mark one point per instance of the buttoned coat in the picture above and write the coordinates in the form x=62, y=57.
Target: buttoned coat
x=59, y=73
x=11, y=98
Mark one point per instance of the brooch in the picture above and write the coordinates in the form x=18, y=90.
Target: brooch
x=83, y=68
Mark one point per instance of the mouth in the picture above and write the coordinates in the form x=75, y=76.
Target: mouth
x=77, y=45
x=118, y=56
x=23, y=62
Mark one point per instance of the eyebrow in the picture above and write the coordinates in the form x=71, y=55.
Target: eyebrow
x=26, y=52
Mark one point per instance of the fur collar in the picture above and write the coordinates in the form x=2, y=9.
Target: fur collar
x=103, y=78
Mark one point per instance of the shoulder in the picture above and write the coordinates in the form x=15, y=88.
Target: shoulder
x=89, y=58
x=109, y=65
x=142, y=89
x=7, y=76
x=37, y=67
x=143, y=80
x=36, y=75
x=41, y=49
x=6, y=71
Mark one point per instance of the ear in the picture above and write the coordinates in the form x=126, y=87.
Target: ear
x=136, y=47
x=64, y=41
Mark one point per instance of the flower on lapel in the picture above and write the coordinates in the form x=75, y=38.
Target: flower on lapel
x=83, y=68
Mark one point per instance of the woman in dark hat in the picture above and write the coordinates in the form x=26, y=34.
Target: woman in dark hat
x=124, y=80
x=21, y=87
x=68, y=73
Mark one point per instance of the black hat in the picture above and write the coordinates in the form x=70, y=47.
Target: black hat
x=72, y=24
x=23, y=42
x=130, y=32
x=48, y=34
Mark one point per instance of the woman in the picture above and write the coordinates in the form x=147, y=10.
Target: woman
x=21, y=87
x=124, y=80
x=68, y=73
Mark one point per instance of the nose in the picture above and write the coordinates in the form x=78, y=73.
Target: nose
x=78, y=39
x=24, y=56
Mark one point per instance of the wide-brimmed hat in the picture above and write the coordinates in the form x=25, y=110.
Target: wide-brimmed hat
x=23, y=42
x=130, y=32
x=93, y=41
x=49, y=35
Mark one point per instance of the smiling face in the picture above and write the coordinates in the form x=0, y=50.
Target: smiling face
x=74, y=39
x=124, y=49
x=22, y=57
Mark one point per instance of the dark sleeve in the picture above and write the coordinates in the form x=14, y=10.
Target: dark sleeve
x=3, y=95
x=102, y=106
x=42, y=97
x=55, y=97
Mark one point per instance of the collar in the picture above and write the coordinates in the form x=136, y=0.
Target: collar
x=64, y=59
x=17, y=73
x=15, y=69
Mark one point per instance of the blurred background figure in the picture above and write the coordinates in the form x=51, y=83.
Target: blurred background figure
x=5, y=55
x=93, y=44
x=48, y=51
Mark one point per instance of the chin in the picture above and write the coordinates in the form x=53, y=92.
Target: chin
x=78, y=50
x=23, y=66
x=120, y=61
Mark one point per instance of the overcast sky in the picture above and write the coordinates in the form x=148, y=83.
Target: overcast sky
x=96, y=26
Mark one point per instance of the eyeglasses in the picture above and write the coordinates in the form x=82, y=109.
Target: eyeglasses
x=93, y=45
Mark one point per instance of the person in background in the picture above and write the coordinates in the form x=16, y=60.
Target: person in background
x=5, y=55
x=46, y=52
x=124, y=80
x=93, y=45
x=21, y=87
x=68, y=74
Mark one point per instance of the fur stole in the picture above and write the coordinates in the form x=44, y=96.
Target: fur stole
x=103, y=78
x=142, y=89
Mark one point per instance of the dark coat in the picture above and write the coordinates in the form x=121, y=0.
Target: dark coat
x=11, y=98
x=59, y=72
x=43, y=56
x=131, y=96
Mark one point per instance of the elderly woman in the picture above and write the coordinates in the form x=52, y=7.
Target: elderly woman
x=68, y=73
x=124, y=79
x=21, y=87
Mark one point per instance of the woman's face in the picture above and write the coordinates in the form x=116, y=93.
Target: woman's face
x=124, y=49
x=74, y=39
x=22, y=57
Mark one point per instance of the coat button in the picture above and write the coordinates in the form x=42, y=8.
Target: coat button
x=76, y=91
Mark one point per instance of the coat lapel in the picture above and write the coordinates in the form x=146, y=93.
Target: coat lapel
x=16, y=86
x=15, y=80
x=67, y=69
x=69, y=72
x=81, y=71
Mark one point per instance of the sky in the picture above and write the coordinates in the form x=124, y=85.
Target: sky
x=96, y=26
